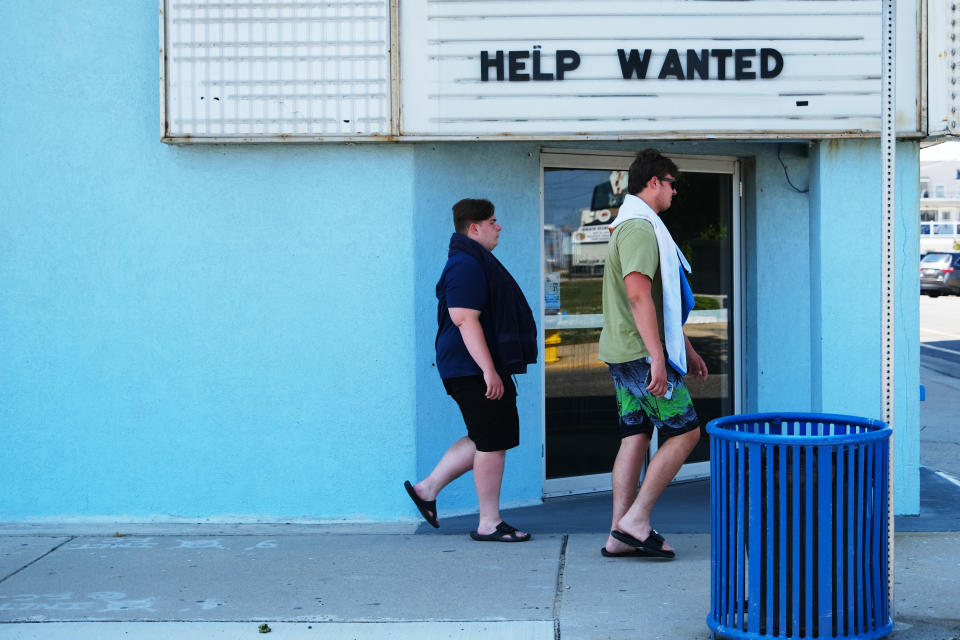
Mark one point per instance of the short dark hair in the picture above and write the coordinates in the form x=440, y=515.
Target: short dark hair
x=470, y=210
x=646, y=165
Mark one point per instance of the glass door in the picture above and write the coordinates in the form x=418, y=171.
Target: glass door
x=582, y=193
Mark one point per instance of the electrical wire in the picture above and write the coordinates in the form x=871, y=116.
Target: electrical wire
x=786, y=175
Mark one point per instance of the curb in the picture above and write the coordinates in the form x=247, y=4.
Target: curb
x=420, y=630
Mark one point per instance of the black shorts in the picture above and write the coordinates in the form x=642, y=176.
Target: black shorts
x=493, y=425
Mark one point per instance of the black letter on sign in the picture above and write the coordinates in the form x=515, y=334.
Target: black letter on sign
x=671, y=66
x=743, y=65
x=721, y=55
x=765, y=56
x=517, y=65
x=634, y=63
x=567, y=60
x=699, y=64
x=486, y=63
x=536, y=66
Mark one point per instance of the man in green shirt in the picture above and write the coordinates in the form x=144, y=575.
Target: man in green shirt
x=643, y=344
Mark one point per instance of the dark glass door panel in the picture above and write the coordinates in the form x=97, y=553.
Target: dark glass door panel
x=581, y=418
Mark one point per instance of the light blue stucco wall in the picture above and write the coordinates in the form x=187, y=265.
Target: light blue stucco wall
x=193, y=350
x=777, y=356
x=181, y=327
x=906, y=440
x=247, y=331
x=846, y=327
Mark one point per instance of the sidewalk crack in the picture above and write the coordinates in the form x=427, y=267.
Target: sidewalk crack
x=558, y=595
x=36, y=560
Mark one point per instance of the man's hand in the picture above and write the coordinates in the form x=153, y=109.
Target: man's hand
x=658, y=378
x=494, y=385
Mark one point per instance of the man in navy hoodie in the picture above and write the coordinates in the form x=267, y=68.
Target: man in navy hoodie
x=486, y=333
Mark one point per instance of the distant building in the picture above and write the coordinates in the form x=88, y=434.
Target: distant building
x=939, y=205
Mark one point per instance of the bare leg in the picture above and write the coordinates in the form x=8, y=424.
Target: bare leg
x=487, y=476
x=626, y=473
x=456, y=461
x=660, y=472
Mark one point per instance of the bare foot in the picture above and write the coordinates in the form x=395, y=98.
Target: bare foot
x=424, y=493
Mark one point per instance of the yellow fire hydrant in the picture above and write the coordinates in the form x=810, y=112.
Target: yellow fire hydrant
x=551, y=340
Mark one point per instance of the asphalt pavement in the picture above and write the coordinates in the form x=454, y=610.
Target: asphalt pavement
x=940, y=335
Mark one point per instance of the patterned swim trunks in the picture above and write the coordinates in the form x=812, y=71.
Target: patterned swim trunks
x=640, y=411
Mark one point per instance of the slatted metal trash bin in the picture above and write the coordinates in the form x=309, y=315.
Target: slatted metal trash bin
x=799, y=526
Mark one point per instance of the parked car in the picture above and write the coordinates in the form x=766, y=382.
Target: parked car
x=940, y=273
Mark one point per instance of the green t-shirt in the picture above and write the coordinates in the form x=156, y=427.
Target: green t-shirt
x=632, y=247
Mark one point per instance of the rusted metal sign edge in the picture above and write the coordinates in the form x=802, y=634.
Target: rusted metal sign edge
x=659, y=135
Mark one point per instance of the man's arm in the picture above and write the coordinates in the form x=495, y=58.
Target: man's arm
x=645, y=317
x=468, y=322
x=695, y=364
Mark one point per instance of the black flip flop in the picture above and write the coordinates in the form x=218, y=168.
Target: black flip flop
x=503, y=533
x=652, y=545
x=633, y=553
x=427, y=509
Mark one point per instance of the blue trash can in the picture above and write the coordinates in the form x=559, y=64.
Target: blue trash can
x=799, y=526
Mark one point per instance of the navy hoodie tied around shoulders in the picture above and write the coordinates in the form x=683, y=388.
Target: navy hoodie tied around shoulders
x=507, y=323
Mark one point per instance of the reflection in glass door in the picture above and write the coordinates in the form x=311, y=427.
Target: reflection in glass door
x=581, y=195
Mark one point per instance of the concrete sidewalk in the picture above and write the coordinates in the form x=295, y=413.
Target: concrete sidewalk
x=388, y=581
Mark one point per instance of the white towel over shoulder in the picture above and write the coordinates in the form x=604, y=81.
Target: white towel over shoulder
x=671, y=259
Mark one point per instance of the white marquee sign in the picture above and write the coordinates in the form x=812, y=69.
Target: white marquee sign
x=315, y=70
x=253, y=69
x=633, y=68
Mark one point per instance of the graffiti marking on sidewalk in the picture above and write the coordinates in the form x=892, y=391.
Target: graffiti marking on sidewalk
x=106, y=600
x=199, y=544
x=111, y=543
x=152, y=543
x=43, y=602
x=266, y=544
x=116, y=601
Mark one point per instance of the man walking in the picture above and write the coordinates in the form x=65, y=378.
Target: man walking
x=486, y=333
x=646, y=300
